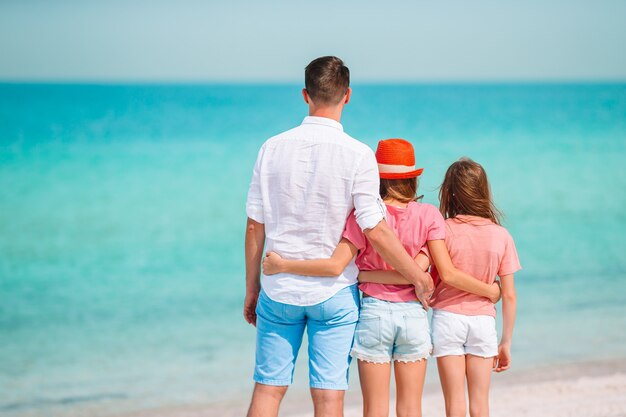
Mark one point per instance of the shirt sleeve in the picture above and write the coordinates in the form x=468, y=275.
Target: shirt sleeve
x=439, y=230
x=368, y=206
x=510, y=262
x=353, y=233
x=254, y=203
x=437, y=227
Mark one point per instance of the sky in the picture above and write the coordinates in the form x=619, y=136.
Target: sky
x=272, y=41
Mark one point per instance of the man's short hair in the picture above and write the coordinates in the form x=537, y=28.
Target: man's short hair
x=326, y=80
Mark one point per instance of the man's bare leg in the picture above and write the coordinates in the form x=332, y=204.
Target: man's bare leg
x=327, y=402
x=266, y=400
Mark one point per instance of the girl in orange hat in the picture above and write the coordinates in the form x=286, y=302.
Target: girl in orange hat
x=393, y=326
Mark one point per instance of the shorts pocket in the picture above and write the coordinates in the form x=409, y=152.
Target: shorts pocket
x=368, y=331
x=416, y=331
x=482, y=332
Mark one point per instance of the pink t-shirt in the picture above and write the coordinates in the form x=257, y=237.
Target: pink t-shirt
x=482, y=249
x=414, y=225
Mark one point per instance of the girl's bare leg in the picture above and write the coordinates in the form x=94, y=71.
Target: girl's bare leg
x=409, y=387
x=452, y=377
x=375, y=388
x=478, y=380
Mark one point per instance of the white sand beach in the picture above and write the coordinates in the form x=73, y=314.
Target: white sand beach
x=590, y=396
x=593, y=389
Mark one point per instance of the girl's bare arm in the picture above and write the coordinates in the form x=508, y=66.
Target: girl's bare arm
x=509, y=303
x=457, y=278
x=393, y=277
x=329, y=267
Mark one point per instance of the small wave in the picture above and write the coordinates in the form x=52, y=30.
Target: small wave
x=61, y=401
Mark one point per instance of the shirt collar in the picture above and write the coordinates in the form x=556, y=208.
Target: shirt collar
x=466, y=218
x=315, y=120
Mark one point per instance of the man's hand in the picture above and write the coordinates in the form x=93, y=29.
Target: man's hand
x=502, y=362
x=496, y=292
x=272, y=263
x=249, y=307
x=425, y=292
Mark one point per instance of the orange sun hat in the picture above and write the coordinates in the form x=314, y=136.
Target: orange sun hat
x=396, y=159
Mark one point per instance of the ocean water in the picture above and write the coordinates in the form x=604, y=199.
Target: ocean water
x=122, y=218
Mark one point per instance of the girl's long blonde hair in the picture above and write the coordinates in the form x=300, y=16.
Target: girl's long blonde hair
x=465, y=190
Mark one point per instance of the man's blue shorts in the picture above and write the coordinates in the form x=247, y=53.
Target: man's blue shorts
x=330, y=330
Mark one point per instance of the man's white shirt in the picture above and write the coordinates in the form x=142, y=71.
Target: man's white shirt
x=305, y=183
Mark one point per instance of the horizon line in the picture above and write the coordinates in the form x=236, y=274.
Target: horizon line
x=486, y=81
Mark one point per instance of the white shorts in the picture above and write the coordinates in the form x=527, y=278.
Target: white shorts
x=458, y=334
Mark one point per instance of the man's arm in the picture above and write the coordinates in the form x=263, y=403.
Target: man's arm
x=388, y=246
x=255, y=239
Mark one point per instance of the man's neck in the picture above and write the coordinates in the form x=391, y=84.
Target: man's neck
x=333, y=113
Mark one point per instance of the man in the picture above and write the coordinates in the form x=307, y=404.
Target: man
x=305, y=183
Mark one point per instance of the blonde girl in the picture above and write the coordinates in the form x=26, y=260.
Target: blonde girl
x=464, y=327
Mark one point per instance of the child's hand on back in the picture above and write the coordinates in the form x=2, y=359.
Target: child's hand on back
x=272, y=263
x=497, y=292
x=502, y=362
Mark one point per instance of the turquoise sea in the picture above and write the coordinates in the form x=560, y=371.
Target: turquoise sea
x=122, y=218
